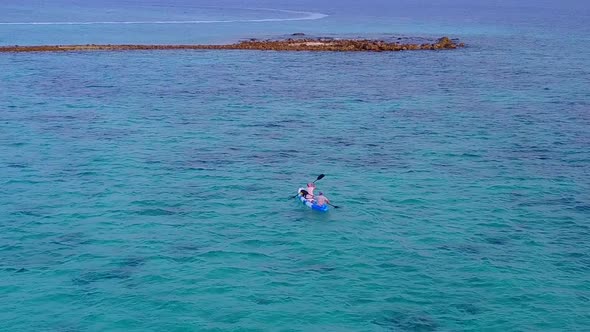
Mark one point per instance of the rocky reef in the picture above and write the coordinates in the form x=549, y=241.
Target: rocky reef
x=289, y=44
x=343, y=45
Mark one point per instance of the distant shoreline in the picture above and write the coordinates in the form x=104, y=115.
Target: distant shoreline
x=290, y=44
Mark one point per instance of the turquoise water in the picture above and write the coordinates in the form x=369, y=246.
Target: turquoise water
x=149, y=191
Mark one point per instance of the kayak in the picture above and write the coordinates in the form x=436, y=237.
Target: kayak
x=311, y=205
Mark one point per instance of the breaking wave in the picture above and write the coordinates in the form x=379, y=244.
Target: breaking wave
x=303, y=16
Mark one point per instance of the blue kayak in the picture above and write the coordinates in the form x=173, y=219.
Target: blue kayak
x=313, y=206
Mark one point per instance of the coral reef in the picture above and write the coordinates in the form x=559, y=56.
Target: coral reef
x=290, y=44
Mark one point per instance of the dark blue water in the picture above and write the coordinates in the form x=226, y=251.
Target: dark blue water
x=150, y=190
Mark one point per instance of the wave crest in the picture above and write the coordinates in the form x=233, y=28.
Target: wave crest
x=306, y=16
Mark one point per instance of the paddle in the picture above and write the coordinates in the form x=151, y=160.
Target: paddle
x=321, y=176
x=334, y=206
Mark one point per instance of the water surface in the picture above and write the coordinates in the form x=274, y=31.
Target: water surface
x=149, y=190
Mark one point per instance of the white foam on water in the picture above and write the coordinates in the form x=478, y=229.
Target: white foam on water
x=306, y=16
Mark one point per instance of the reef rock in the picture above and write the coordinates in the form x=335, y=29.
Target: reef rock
x=290, y=44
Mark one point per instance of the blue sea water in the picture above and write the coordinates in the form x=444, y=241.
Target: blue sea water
x=149, y=191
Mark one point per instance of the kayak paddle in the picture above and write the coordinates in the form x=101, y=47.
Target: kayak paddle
x=334, y=206
x=321, y=176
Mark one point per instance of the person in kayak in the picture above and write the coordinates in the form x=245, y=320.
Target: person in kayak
x=310, y=188
x=303, y=193
x=321, y=200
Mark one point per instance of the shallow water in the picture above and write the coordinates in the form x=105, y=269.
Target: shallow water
x=149, y=190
